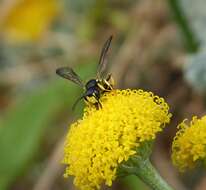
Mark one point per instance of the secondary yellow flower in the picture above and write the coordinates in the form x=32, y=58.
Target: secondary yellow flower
x=26, y=20
x=104, y=138
x=189, y=144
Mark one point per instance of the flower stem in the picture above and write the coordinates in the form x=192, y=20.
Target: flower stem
x=145, y=171
x=141, y=166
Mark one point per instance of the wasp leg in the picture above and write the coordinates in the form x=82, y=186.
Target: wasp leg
x=98, y=103
x=110, y=80
x=86, y=100
x=110, y=86
x=103, y=88
x=106, y=84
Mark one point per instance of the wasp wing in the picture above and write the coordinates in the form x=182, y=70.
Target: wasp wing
x=102, y=64
x=68, y=73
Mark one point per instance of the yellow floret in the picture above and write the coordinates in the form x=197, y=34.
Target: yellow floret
x=104, y=138
x=189, y=144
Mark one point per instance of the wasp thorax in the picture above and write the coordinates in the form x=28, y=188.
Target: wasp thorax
x=91, y=83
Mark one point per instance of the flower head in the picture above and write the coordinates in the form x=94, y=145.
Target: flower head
x=189, y=144
x=104, y=138
x=25, y=20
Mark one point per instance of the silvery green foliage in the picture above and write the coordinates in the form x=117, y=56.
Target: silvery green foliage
x=195, y=71
x=196, y=15
x=195, y=66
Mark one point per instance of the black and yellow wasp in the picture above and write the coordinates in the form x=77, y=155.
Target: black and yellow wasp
x=94, y=88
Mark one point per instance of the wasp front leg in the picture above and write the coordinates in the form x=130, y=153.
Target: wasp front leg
x=110, y=80
x=98, y=103
x=102, y=87
x=93, y=99
x=106, y=84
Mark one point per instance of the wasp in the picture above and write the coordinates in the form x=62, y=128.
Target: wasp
x=96, y=87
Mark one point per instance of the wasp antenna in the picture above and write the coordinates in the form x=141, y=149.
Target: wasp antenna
x=76, y=102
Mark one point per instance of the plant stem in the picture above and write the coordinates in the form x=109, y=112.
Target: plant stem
x=180, y=18
x=141, y=166
x=146, y=172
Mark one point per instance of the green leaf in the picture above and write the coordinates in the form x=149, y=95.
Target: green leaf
x=195, y=71
x=178, y=13
x=196, y=15
x=27, y=121
x=191, y=17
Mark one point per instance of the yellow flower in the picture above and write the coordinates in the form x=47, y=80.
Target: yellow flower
x=189, y=144
x=26, y=20
x=104, y=138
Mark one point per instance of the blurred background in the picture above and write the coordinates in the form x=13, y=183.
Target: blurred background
x=158, y=46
